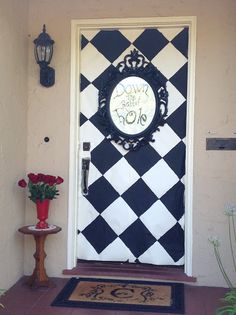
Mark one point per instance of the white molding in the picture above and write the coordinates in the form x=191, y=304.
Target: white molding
x=76, y=26
x=189, y=149
x=134, y=22
x=74, y=144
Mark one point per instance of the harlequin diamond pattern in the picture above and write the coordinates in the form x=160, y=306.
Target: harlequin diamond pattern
x=110, y=44
x=139, y=197
x=101, y=194
x=173, y=200
x=99, y=234
x=104, y=163
x=145, y=153
x=150, y=43
x=137, y=238
x=135, y=207
x=173, y=242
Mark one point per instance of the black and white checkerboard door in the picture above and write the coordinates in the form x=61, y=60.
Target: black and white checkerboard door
x=135, y=207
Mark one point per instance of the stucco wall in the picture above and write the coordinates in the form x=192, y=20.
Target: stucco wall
x=13, y=109
x=48, y=115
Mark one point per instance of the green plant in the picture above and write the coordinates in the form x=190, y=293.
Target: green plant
x=230, y=297
x=41, y=186
x=2, y=291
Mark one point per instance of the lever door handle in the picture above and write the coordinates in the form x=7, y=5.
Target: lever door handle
x=85, y=172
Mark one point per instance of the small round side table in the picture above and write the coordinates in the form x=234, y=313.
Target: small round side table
x=39, y=276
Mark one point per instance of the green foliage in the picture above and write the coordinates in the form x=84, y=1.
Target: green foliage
x=230, y=297
x=41, y=186
x=42, y=191
x=2, y=291
x=230, y=308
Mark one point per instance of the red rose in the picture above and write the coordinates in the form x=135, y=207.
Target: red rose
x=22, y=183
x=41, y=177
x=59, y=180
x=46, y=179
x=50, y=180
x=33, y=178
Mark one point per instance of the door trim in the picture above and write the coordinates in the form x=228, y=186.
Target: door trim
x=76, y=27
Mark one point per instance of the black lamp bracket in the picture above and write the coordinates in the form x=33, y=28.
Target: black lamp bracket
x=47, y=76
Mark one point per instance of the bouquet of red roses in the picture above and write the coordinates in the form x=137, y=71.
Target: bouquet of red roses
x=42, y=186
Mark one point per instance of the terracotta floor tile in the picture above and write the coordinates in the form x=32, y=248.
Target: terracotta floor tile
x=50, y=311
x=15, y=312
x=213, y=299
x=22, y=300
x=83, y=311
x=194, y=301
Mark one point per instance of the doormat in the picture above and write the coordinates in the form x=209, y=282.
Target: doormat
x=145, y=296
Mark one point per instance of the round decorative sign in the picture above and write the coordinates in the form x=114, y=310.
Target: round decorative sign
x=133, y=102
x=132, y=105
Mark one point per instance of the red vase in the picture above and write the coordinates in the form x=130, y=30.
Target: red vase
x=42, y=213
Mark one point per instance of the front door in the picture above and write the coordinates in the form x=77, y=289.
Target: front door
x=134, y=208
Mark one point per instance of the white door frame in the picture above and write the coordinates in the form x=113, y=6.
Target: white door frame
x=76, y=27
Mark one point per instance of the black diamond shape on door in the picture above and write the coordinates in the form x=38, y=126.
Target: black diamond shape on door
x=173, y=242
x=150, y=43
x=174, y=200
x=175, y=158
x=181, y=42
x=99, y=234
x=137, y=238
x=104, y=156
x=83, y=82
x=139, y=197
x=82, y=119
x=98, y=121
x=143, y=159
x=84, y=41
x=177, y=121
x=110, y=43
x=101, y=80
x=101, y=194
x=179, y=80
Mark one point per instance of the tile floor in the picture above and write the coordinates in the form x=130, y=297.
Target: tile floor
x=22, y=300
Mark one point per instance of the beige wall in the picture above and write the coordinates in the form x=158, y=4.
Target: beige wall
x=13, y=110
x=215, y=110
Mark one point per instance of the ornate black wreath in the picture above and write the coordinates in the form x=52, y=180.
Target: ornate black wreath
x=133, y=66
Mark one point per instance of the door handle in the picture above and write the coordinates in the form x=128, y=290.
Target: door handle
x=85, y=173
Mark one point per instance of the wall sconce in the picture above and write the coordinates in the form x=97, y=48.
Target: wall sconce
x=43, y=52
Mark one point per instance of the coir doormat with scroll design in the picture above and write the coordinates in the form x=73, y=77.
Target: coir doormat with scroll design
x=145, y=296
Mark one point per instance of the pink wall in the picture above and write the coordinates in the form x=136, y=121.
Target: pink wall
x=215, y=112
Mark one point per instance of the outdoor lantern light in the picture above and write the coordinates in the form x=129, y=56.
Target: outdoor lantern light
x=43, y=52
